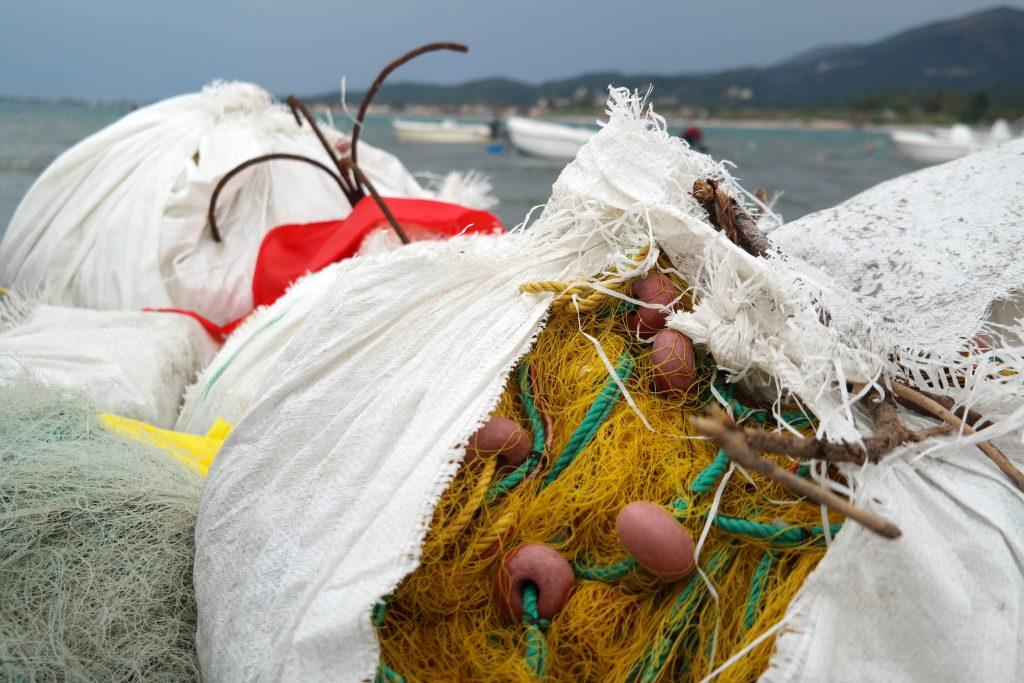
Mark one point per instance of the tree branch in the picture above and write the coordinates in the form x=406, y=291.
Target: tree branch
x=728, y=216
x=973, y=418
x=889, y=433
x=932, y=406
x=733, y=442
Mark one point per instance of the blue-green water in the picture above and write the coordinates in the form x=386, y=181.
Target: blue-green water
x=813, y=169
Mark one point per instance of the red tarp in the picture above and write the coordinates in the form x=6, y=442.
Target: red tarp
x=290, y=251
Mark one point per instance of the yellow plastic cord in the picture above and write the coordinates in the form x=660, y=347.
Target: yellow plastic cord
x=570, y=295
x=468, y=510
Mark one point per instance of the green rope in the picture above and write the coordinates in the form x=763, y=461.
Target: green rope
x=380, y=612
x=709, y=476
x=625, y=306
x=797, y=419
x=678, y=507
x=385, y=674
x=514, y=478
x=612, y=572
x=794, y=418
x=779, y=536
x=517, y=476
x=621, y=308
x=757, y=584
x=596, y=414
x=526, y=394
x=536, y=643
x=649, y=668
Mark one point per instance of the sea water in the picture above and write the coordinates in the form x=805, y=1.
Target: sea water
x=805, y=169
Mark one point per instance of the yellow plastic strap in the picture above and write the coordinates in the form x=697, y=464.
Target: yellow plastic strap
x=196, y=451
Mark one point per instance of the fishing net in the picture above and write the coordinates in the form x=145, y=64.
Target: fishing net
x=96, y=548
x=621, y=622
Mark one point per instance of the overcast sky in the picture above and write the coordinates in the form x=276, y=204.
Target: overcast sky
x=147, y=49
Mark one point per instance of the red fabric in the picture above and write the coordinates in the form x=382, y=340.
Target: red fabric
x=290, y=251
x=218, y=332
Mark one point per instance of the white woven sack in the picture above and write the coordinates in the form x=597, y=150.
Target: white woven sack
x=932, y=254
x=319, y=502
x=132, y=364
x=226, y=387
x=943, y=603
x=119, y=220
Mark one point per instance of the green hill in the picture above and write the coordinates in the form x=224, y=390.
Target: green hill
x=938, y=68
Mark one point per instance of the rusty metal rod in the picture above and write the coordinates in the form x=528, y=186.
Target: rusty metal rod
x=361, y=177
x=298, y=106
x=375, y=86
x=211, y=211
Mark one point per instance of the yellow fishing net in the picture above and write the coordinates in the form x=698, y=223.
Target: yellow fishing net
x=442, y=622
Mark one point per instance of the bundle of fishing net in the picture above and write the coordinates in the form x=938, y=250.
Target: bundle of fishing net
x=119, y=221
x=96, y=546
x=132, y=363
x=594, y=454
x=369, y=539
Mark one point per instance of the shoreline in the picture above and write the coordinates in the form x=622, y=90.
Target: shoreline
x=814, y=124
x=775, y=124
x=741, y=124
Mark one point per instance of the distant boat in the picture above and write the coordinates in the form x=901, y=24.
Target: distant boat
x=445, y=131
x=545, y=139
x=947, y=145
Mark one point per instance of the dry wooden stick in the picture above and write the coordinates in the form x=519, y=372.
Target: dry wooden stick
x=728, y=216
x=889, y=433
x=932, y=406
x=972, y=417
x=762, y=195
x=733, y=442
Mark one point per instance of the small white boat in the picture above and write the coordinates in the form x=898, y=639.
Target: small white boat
x=942, y=146
x=545, y=139
x=445, y=131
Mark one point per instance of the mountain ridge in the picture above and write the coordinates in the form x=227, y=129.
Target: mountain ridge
x=979, y=52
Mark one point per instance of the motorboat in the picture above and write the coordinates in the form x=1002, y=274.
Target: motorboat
x=545, y=139
x=946, y=145
x=446, y=131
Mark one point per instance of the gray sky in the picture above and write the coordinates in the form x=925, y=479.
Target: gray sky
x=147, y=49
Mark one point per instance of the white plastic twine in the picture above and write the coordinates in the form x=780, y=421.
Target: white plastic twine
x=712, y=513
x=743, y=652
x=344, y=101
x=615, y=378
